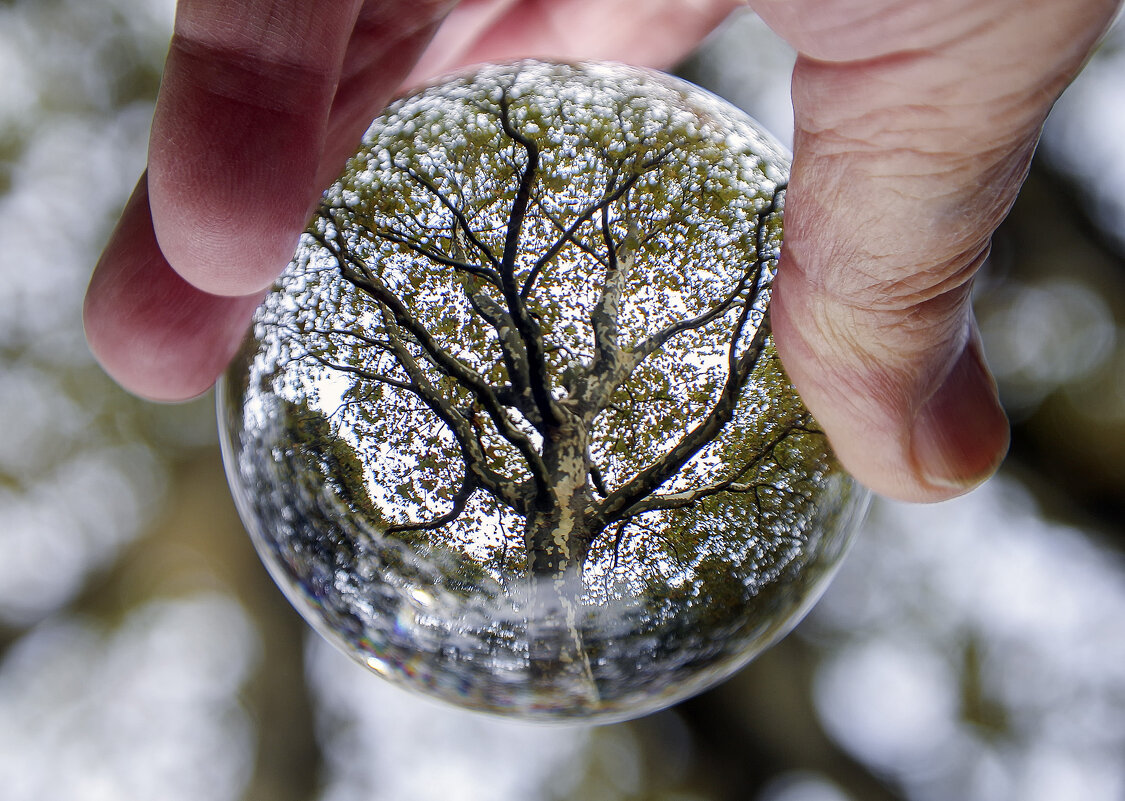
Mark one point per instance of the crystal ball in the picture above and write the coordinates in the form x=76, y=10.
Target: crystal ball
x=510, y=429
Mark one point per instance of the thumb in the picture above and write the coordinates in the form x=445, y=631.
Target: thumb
x=905, y=161
x=920, y=423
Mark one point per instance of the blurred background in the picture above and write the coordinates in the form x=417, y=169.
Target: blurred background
x=969, y=650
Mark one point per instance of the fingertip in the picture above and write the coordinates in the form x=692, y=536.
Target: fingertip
x=960, y=435
x=227, y=217
x=231, y=249
x=923, y=430
x=137, y=364
x=234, y=153
x=154, y=333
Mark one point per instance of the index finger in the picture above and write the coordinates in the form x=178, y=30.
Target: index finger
x=237, y=140
x=237, y=134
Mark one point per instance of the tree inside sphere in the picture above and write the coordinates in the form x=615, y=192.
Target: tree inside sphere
x=510, y=429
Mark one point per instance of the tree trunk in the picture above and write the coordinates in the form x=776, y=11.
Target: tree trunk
x=559, y=663
x=558, y=538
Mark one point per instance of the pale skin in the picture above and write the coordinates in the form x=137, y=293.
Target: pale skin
x=915, y=124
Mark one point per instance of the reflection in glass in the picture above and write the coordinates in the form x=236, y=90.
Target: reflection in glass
x=510, y=429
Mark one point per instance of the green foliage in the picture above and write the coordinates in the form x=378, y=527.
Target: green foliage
x=541, y=298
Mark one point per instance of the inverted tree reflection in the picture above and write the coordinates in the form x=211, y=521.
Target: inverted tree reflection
x=526, y=336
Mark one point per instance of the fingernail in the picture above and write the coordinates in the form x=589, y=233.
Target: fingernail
x=960, y=435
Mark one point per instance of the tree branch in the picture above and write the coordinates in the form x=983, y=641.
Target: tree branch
x=367, y=374
x=651, y=477
x=512, y=350
x=567, y=235
x=378, y=344
x=526, y=326
x=399, y=238
x=605, y=315
x=460, y=501
x=459, y=215
x=598, y=480
x=370, y=284
x=473, y=455
x=678, y=500
x=612, y=195
x=657, y=340
x=751, y=278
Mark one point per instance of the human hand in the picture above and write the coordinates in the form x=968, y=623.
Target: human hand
x=915, y=124
x=260, y=105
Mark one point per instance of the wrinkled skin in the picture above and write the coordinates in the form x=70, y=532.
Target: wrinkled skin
x=915, y=124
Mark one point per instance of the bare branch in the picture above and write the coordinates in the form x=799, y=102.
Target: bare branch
x=657, y=340
x=678, y=500
x=372, y=285
x=751, y=280
x=378, y=344
x=638, y=521
x=567, y=235
x=476, y=464
x=526, y=326
x=459, y=215
x=512, y=350
x=606, y=312
x=647, y=481
x=436, y=256
x=369, y=283
x=618, y=538
x=598, y=480
x=612, y=195
x=367, y=374
x=460, y=501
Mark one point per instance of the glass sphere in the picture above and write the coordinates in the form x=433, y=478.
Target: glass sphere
x=510, y=429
